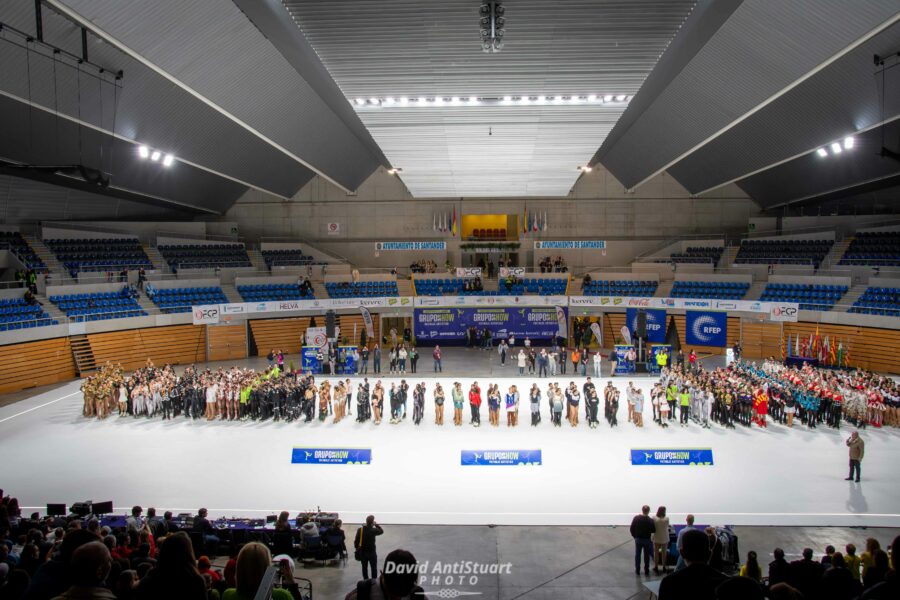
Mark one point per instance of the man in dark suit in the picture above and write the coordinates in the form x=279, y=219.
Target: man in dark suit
x=697, y=581
x=779, y=569
x=642, y=528
x=806, y=574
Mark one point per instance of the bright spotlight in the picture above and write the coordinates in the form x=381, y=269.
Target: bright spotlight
x=848, y=142
x=373, y=100
x=822, y=152
x=473, y=100
x=155, y=156
x=507, y=98
x=585, y=169
x=836, y=148
x=168, y=159
x=360, y=101
x=389, y=100
x=607, y=98
x=620, y=98
x=143, y=151
x=592, y=98
x=404, y=100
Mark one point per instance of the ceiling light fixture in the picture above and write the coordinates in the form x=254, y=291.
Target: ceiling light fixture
x=143, y=151
x=822, y=152
x=376, y=103
x=491, y=26
x=836, y=148
x=404, y=101
x=388, y=100
x=394, y=170
x=360, y=101
x=607, y=98
x=592, y=98
x=848, y=142
x=155, y=155
x=586, y=169
x=168, y=159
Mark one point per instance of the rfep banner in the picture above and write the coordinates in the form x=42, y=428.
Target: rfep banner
x=449, y=324
x=331, y=456
x=488, y=458
x=656, y=324
x=706, y=328
x=689, y=456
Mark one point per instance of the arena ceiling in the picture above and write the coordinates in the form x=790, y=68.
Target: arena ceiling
x=266, y=94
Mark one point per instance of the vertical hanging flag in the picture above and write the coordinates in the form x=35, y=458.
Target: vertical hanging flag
x=434, y=225
x=453, y=227
x=367, y=319
x=797, y=345
x=535, y=221
x=525, y=220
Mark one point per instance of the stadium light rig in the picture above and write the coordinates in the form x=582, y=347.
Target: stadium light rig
x=836, y=148
x=462, y=101
x=492, y=26
x=146, y=153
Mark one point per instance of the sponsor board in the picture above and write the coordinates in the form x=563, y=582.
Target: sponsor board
x=202, y=315
x=783, y=312
x=570, y=245
x=670, y=457
x=514, y=271
x=450, y=324
x=468, y=272
x=389, y=246
x=706, y=328
x=331, y=456
x=493, y=458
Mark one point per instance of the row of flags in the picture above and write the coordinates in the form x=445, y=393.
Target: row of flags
x=533, y=221
x=827, y=351
x=445, y=221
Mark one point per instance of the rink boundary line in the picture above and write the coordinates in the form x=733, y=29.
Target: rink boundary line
x=28, y=410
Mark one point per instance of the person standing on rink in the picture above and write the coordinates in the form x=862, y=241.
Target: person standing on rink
x=512, y=406
x=597, y=358
x=438, y=404
x=857, y=450
x=493, y=398
x=436, y=355
x=475, y=404
x=535, y=397
x=457, y=394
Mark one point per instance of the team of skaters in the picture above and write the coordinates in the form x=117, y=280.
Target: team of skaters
x=742, y=394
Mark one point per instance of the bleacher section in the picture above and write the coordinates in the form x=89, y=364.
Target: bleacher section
x=531, y=285
x=701, y=255
x=99, y=306
x=180, y=300
x=15, y=243
x=205, y=256
x=361, y=289
x=16, y=313
x=783, y=252
x=290, y=257
x=809, y=296
x=274, y=292
x=878, y=301
x=717, y=290
x=877, y=248
x=625, y=287
x=99, y=254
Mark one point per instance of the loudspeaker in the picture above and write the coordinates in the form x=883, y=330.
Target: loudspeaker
x=640, y=328
x=329, y=324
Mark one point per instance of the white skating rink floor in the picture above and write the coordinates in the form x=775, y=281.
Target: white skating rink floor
x=760, y=477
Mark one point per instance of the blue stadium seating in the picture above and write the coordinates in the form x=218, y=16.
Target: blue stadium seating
x=16, y=313
x=810, y=297
x=878, y=301
x=361, y=289
x=699, y=255
x=99, y=254
x=15, y=243
x=273, y=292
x=205, y=256
x=718, y=290
x=99, y=306
x=876, y=248
x=625, y=287
x=287, y=257
x=179, y=300
x=783, y=252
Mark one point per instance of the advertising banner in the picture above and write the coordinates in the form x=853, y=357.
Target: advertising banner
x=598, y=333
x=309, y=356
x=493, y=458
x=387, y=246
x=706, y=328
x=623, y=365
x=783, y=311
x=331, y=456
x=468, y=272
x=514, y=271
x=666, y=457
x=656, y=323
x=570, y=245
x=367, y=319
x=315, y=337
x=203, y=315
x=450, y=324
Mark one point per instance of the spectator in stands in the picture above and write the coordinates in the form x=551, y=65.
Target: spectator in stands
x=829, y=552
x=751, y=568
x=135, y=522
x=779, y=569
x=175, y=575
x=171, y=525
x=878, y=571
x=837, y=582
x=397, y=581
x=252, y=563
x=55, y=576
x=642, y=530
x=204, y=567
x=156, y=523
x=739, y=588
x=852, y=561
x=90, y=566
x=890, y=587
x=660, y=540
x=806, y=573
x=715, y=550
x=697, y=580
x=204, y=527
x=689, y=526
x=364, y=544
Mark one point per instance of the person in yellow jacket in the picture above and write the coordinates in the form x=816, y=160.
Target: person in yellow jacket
x=684, y=400
x=661, y=359
x=576, y=359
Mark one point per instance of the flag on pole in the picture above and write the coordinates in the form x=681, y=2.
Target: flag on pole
x=434, y=225
x=545, y=221
x=453, y=227
x=797, y=345
x=535, y=221
x=525, y=220
x=833, y=353
x=790, y=348
x=840, y=353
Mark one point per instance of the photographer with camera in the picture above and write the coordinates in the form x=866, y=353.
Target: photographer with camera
x=364, y=544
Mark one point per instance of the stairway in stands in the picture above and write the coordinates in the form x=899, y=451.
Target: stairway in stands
x=836, y=253
x=59, y=275
x=231, y=293
x=319, y=290
x=85, y=364
x=257, y=260
x=850, y=297
x=159, y=263
x=663, y=289
x=728, y=256
x=404, y=286
x=755, y=290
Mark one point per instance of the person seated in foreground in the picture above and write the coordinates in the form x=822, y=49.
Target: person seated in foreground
x=697, y=580
x=398, y=580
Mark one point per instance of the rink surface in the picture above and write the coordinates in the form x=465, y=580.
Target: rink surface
x=775, y=476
